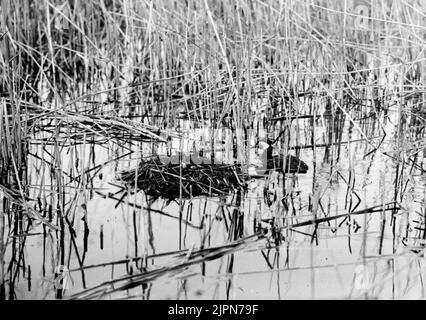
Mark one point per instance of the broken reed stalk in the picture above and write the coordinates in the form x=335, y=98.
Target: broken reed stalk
x=181, y=263
x=392, y=206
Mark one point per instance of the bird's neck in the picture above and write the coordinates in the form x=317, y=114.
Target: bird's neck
x=269, y=152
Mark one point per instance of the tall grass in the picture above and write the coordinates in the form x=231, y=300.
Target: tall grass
x=78, y=72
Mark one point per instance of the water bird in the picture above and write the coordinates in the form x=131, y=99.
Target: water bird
x=276, y=162
x=187, y=179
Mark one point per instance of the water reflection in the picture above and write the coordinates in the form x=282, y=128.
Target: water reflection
x=358, y=212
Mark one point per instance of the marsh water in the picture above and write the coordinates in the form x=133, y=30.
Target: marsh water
x=351, y=227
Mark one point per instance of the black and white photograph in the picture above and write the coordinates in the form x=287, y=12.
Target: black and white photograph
x=214, y=150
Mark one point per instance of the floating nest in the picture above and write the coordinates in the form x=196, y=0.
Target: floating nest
x=172, y=181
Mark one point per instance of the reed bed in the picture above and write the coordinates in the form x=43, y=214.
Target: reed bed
x=319, y=76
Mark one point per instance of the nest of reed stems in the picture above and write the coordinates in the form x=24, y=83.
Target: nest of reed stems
x=172, y=181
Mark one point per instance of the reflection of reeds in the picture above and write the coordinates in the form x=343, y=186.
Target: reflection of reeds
x=124, y=72
x=182, y=262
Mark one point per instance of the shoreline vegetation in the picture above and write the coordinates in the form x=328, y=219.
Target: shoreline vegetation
x=76, y=76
